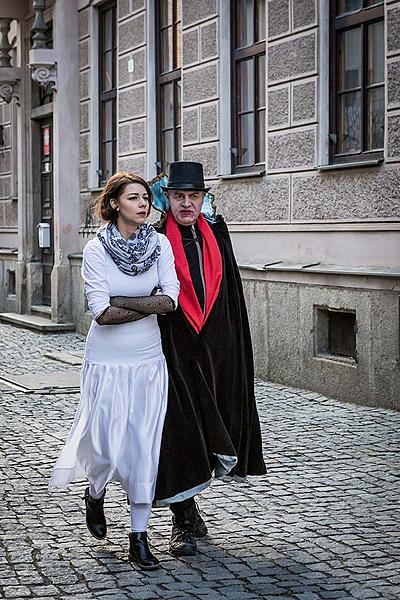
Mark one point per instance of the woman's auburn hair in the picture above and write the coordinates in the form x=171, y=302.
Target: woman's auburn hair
x=113, y=190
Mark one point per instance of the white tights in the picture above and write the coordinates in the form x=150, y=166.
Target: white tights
x=140, y=513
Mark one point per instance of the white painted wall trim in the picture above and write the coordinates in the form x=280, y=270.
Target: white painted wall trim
x=151, y=124
x=94, y=98
x=323, y=69
x=225, y=166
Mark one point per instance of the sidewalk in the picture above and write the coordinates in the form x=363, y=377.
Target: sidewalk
x=324, y=522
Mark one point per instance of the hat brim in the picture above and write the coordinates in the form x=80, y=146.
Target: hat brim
x=183, y=186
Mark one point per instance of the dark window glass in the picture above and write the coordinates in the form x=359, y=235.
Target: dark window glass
x=342, y=337
x=357, y=80
x=107, y=91
x=169, y=28
x=248, y=109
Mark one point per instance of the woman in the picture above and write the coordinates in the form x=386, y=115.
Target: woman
x=117, y=429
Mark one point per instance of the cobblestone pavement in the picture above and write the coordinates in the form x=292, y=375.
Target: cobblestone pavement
x=324, y=522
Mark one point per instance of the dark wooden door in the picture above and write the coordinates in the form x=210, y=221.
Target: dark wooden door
x=46, y=197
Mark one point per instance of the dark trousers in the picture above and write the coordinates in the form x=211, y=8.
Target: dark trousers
x=179, y=508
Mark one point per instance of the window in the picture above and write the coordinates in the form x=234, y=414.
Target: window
x=335, y=333
x=248, y=97
x=107, y=91
x=357, y=114
x=169, y=62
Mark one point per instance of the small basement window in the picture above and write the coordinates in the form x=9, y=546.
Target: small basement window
x=335, y=333
x=10, y=282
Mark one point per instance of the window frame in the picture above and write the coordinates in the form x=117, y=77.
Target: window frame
x=107, y=96
x=364, y=17
x=173, y=77
x=238, y=55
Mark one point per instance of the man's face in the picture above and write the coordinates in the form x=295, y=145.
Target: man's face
x=185, y=205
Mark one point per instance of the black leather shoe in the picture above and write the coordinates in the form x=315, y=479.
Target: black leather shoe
x=139, y=552
x=182, y=542
x=95, y=519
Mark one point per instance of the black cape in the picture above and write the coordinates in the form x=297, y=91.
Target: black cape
x=211, y=405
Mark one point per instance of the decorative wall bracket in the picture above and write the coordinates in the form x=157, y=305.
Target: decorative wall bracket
x=10, y=78
x=43, y=64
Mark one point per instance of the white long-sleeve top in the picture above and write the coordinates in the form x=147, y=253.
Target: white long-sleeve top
x=126, y=343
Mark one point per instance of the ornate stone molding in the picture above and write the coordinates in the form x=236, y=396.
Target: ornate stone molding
x=10, y=78
x=45, y=76
x=8, y=91
x=43, y=64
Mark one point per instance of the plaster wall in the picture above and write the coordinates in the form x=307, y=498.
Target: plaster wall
x=283, y=324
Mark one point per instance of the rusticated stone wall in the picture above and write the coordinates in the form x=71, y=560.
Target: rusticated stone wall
x=200, y=81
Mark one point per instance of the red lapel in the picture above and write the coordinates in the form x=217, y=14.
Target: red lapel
x=212, y=264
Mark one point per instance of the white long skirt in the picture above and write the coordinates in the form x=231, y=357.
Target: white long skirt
x=116, y=433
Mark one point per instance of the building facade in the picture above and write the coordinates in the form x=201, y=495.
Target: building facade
x=292, y=106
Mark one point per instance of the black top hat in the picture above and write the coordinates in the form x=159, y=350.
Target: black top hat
x=185, y=175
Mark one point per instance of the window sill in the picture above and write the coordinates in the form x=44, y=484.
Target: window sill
x=350, y=165
x=242, y=175
x=346, y=361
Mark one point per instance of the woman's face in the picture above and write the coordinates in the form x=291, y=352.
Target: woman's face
x=133, y=204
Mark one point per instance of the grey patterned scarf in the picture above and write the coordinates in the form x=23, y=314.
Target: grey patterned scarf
x=135, y=255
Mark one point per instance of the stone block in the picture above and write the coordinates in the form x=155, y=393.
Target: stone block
x=84, y=147
x=255, y=199
x=393, y=82
x=123, y=8
x=132, y=103
x=5, y=161
x=284, y=342
x=132, y=34
x=84, y=84
x=278, y=107
x=190, y=125
x=84, y=23
x=190, y=47
x=133, y=164
x=129, y=7
x=209, y=40
x=393, y=29
x=84, y=54
x=278, y=18
x=84, y=177
x=356, y=194
x=194, y=11
x=208, y=155
x=132, y=67
x=6, y=113
x=292, y=58
x=132, y=137
x=393, y=136
x=200, y=84
x=292, y=150
x=384, y=334
x=304, y=13
x=255, y=294
x=5, y=186
x=11, y=213
x=6, y=136
x=85, y=209
x=209, y=121
x=84, y=124
x=335, y=374
x=303, y=102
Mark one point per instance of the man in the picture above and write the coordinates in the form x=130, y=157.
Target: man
x=211, y=426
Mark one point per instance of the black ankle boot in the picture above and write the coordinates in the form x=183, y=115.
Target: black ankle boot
x=95, y=519
x=139, y=552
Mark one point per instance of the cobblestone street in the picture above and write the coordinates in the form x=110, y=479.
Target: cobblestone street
x=324, y=522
